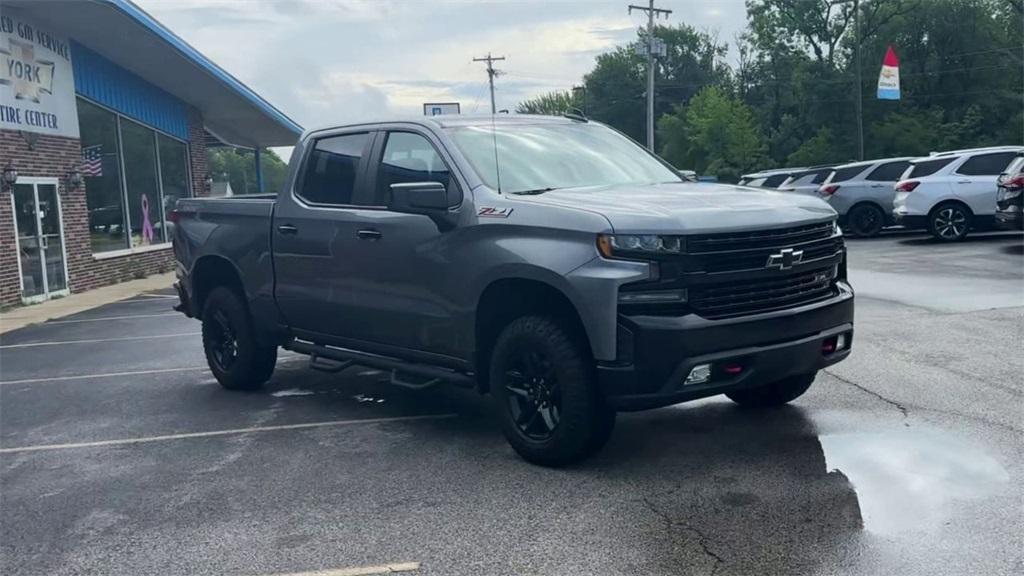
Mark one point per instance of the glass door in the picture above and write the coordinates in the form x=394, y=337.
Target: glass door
x=40, y=234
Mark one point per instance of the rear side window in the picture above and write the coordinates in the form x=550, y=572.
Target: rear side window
x=774, y=181
x=928, y=167
x=889, y=172
x=820, y=176
x=408, y=157
x=844, y=174
x=986, y=164
x=331, y=169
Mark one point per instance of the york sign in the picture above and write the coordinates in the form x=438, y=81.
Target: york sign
x=37, y=92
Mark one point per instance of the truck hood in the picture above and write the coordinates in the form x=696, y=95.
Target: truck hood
x=690, y=208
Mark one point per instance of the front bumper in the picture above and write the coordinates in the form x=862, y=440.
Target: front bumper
x=768, y=347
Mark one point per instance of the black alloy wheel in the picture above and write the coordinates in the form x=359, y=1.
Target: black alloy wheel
x=223, y=341
x=534, y=397
x=866, y=221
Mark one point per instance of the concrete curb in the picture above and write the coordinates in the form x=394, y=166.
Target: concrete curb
x=35, y=313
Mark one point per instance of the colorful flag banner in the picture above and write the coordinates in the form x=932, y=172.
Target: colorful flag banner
x=889, y=78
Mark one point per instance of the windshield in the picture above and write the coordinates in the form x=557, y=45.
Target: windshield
x=537, y=157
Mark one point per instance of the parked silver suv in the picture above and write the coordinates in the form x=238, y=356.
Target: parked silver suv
x=949, y=193
x=862, y=194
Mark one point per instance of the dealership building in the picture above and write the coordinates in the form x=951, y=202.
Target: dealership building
x=106, y=117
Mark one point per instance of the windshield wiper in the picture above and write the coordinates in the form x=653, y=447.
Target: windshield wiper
x=533, y=192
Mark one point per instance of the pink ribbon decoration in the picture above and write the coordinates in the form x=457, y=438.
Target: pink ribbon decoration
x=147, y=226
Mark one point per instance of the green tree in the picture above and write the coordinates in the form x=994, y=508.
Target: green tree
x=714, y=134
x=239, y=167
x=616, y=87
x=552, y=104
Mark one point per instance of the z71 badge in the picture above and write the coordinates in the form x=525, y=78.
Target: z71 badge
x=491, y=212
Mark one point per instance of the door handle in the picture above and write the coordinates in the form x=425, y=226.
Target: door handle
x=963, y=181
x=287, y=229
x=877, y=186
x=368, y=234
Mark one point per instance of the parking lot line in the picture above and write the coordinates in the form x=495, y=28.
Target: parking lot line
x=93, y=341
x=103, y=375
x=114, y=318
x=212, y=433
x=361, y=571
x=282, y=360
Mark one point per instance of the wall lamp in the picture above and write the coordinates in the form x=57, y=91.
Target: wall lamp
x=10, y=176
x=75, y=179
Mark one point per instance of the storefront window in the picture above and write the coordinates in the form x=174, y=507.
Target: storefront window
x=145, y=215
x=101, y=167
x=173, y=174
x=155, y=177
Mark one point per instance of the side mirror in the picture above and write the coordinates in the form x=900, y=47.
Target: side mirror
x=426, y=198
x=418, y=197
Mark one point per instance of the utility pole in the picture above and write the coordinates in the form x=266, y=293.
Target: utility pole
x=860, y=81
x=491, y=73
x=652, y=13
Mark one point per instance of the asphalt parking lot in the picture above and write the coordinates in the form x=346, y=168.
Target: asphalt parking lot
x=121, y=455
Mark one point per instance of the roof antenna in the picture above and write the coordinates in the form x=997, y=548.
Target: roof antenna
x=494, y=139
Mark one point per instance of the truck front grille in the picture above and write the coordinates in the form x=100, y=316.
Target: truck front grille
x=777, y=238
x=764, y=295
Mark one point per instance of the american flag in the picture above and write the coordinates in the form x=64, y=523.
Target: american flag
x=92, y=160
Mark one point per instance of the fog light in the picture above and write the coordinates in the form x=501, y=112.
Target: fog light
x=841, y=341
x=700, y=374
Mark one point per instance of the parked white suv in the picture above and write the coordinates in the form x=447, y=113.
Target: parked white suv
x=862, y=193
x=949, y=193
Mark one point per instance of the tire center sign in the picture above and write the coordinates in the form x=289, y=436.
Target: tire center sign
x=37, y=92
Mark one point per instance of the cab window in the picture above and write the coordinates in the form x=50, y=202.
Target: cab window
x=409, y=157
x=332, y=168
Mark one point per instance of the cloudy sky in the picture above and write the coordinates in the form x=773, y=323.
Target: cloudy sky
x=329, y=61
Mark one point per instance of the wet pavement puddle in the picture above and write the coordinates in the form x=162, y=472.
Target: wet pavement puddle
x=912, y=480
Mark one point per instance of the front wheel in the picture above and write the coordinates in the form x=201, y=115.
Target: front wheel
x=542, y=380
x=949, y=222
x=232, y=352
x=774, y=394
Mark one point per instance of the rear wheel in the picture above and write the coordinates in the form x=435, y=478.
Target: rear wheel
x=865, y=220
x=774, y=394
x=542, y=380
x=949, y=222
x=232, y=352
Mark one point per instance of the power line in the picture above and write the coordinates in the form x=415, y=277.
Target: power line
x=491, y=73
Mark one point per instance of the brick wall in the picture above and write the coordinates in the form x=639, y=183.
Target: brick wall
x=54, y=157
x=197, y=153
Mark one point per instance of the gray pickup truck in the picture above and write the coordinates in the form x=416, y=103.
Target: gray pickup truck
x=549, y=261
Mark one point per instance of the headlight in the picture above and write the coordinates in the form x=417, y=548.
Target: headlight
x=639, y=245
x=836, y=229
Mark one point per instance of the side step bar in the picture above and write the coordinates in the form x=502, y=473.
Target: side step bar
x=345, y=355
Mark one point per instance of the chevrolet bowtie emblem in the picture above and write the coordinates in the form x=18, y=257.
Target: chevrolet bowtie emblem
x=785, y=259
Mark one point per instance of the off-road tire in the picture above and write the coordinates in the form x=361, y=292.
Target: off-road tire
x=584, y=421
x=252, y=364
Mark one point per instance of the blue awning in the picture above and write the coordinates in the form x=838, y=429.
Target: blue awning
x=126, y=35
